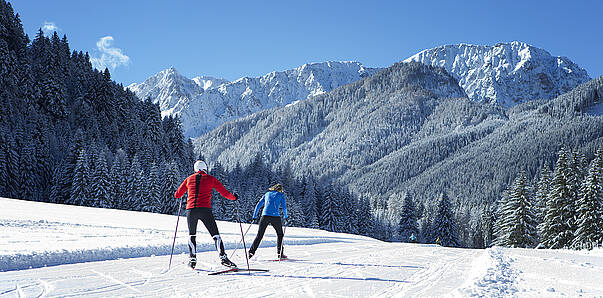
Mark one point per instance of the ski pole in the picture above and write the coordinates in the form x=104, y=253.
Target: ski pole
x=283, y=242
x=242, y=236
x=175, y=232
x=237, y=247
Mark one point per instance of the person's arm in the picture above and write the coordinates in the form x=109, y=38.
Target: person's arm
x=181, y=190
x=222, y=190
x=284, y=206
x=258, y=206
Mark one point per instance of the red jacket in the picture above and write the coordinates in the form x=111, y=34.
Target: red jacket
x=206, y=184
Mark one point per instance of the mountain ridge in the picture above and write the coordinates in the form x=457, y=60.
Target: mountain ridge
x=506, y=73
x=201, y=109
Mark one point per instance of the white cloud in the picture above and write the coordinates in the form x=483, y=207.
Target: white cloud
x=110, y=57
x=49, y=28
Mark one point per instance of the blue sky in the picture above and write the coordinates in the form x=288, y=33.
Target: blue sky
x=232, y=39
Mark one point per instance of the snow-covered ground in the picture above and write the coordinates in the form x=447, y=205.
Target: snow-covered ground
x=51, y=250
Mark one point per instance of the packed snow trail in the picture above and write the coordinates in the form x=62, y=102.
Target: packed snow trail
x=322, y=263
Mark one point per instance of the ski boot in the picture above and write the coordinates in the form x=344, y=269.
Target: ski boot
x=251, y=254
x=192, y=262
x=281, y=256
x=226, y=262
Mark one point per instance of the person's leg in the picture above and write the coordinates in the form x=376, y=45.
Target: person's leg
x=210, y=224
x=278, y=227
x=192, y=217
x=258, y=238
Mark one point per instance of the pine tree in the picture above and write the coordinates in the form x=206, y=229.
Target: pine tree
x=69, y=164
x=542, y=193
x=408, y=220
x=516, y=223
x=365, y=218
x=152, y=198
x=346, y=207
x=136, y=185
x=119, y=181
x=556, y=229
x=171, y=182
x=488, y=219
x=444, y=226
x=3, y=175
x=100, y=184
x=29, y=175
x=575, y=176
x=55, y=189
x=79, y=185
x=13, y=175
x=309, y=199
x=328, y=219
x=589, y=230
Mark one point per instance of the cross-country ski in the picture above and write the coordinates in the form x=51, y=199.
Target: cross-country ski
x=237, y=270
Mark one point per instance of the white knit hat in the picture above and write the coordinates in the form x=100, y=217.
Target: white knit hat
x=200, y=166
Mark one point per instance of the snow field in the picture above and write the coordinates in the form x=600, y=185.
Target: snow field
x=40, y=234
x=135, y=246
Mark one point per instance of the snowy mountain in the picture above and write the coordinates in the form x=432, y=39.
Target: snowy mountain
x=397, y=130
x=173, y=91
x=506, y=73
x=203, y=103
x=206, y=82
x=62, y=250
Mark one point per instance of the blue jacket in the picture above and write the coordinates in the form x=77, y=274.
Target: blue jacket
x=273, y=200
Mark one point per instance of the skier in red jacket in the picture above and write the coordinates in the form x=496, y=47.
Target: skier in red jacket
x=198, y=207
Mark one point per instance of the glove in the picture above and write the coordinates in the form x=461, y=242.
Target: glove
x=236, y=195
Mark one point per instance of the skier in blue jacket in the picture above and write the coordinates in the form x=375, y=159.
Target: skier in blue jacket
x=273, y=200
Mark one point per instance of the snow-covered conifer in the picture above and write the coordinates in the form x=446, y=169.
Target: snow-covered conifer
x=444, y=225
x=516, y=223
x=171, y=181
x=101, y=191
x=80, y=181
x=328, y=218
x=29, y=175
x=589, y=221
x=542, y=191
x=152, y=194
x=556, y=228
x=408, y=219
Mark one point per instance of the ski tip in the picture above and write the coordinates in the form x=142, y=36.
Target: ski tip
x=224, y=271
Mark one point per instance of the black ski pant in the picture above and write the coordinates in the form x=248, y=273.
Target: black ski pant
x=207, y=217
x=276, y=223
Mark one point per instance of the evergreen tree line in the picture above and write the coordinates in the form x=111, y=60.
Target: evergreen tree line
x=563, y=209
x=401, y=216
x=311, y=201
x=69, y=134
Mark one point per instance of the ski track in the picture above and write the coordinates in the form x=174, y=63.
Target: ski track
x=48, y=287
x=499, y=279
x=318, y=270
